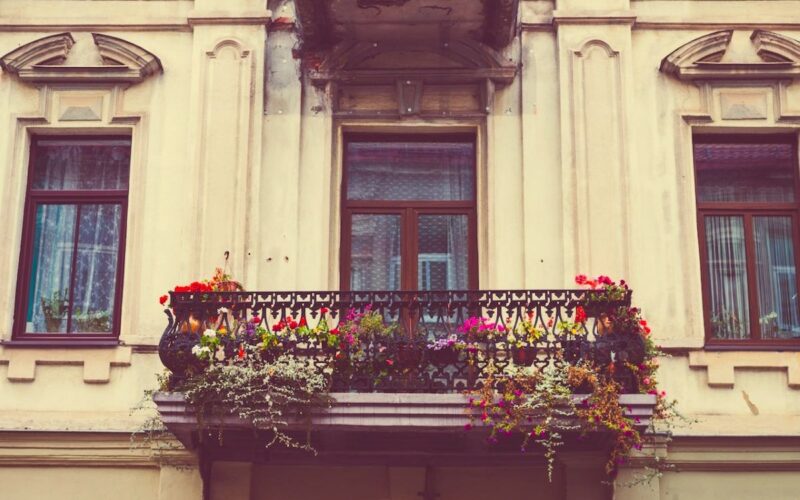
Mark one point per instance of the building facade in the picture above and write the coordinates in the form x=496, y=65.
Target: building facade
x=518, y=143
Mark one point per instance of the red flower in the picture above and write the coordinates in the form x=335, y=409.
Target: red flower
x=241, y=352
x=255, y=320
x=580, y=279
x=580, y=315
x=293, y=325
x=323, y=310
x=389, y=362
x=163, y=299
x=278, y=326
x=335, y=331
x=604, y=280
x=303, y=322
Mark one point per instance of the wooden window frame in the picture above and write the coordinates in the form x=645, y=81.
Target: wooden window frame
x=34, y=198
x=409, y=211
x=747, y=210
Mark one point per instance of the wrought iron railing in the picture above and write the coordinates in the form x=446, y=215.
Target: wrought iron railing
x=403, y=360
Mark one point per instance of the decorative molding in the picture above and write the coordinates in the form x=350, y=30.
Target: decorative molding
x=257, y=18
x=721, y=366
x=707, y=47
x=448, y=69
x=224, y=135
x=774, y=46
x=116, y=51
x=96, y=363
x=51, y=49
x=373, y=412
x=42, y=61
x=597, y=178
x=702, y=58
x=472, y=62
x=89, y=449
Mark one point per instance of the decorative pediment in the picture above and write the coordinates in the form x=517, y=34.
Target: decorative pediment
x=47, y=60
x=455, y=78
x=452, y=62
x=769, y=56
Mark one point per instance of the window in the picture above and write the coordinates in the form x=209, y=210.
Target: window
x=409, y=213
x=748, y=209
x=70, y=278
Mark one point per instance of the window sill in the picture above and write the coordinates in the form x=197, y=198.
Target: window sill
x=722, y=364
x=789, y=346
x=60, y=344
x=97, y=356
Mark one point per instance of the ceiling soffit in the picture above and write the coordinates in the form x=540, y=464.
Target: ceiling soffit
x=327, y=22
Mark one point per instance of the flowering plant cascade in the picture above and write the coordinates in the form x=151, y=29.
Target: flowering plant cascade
x=535, y=403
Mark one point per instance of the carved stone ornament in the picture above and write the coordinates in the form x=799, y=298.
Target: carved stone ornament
x=43, y=61
x=777, y=58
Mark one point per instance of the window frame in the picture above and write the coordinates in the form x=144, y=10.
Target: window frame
x=34, y=198
x=746, y=210
x=409, y=211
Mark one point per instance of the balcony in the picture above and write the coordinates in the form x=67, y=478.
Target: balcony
x=401, y=383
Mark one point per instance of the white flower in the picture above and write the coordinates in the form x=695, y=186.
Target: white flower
x=196, y=349
x=210, y=333
x=205, y=350
x=220, y=355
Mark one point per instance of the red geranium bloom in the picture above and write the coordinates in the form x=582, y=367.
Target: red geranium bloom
x=303, y=322
x=323, y=310
x=241, y=352
x=293, y=325
x=163, y=299
x=580, y=315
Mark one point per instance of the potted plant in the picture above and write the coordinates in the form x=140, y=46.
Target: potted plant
x=522, y=341
x=446, y=351
x=55, y=310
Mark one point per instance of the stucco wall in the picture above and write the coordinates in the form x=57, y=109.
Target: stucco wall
x=585, y=166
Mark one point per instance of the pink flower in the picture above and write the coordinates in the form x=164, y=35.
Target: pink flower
x=580, y=279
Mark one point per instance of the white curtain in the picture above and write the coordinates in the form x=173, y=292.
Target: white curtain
x=727, y=269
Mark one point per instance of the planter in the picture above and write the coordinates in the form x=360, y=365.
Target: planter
x=443, y=357
x=523, y=356
x=53, y=324
x=408, y=356
x=175, y=352
x=572, y=349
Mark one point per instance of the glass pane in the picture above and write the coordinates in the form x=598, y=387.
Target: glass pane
x=411, y=171
x=375, y=252
x=96, y=268
x=81, y=165
x=443, y=255
x=744, y=172
x=727, y=273
x=53, y=244
x=776, y=277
